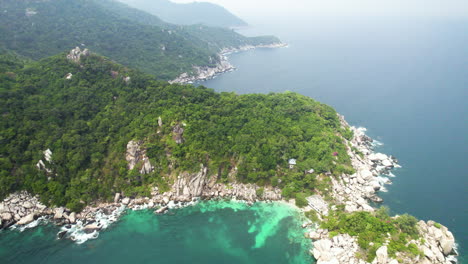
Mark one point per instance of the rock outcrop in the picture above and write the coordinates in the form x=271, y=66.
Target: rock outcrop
x=354, y=191
x=439, y=243
x=177, y=133
x=41, y=165
x=76, y=54
x=203, y=73
x=136, y=157
x=339, y=249
x=21, y=208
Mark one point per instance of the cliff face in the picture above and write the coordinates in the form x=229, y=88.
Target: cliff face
x=136, y=158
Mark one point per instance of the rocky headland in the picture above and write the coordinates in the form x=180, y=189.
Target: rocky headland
x=354, y=192
x=203, y=73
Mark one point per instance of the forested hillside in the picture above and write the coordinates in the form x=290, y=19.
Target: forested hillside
x=189, y=13
x=37, y=29
x=86, y=119
x=214, y=37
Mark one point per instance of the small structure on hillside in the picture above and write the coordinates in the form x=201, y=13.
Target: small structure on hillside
x=310, y=171
x=292, y=163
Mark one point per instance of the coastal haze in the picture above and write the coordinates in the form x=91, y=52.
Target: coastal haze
x=398, y=68
x=276, y=10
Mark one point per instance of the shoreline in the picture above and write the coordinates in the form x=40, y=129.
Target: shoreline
x=204, y=73
x=354, y=191
x=22, y=210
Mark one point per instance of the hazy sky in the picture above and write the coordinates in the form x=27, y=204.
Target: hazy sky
x=343, y=8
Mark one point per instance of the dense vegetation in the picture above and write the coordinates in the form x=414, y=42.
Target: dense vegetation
x=214, y=38
x=88, y=120
x=38, y=29
x=190, y=13
x=375, y=229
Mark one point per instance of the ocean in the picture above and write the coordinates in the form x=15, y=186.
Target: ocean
x=405, y=80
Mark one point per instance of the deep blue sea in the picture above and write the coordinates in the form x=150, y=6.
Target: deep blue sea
x=406, y=80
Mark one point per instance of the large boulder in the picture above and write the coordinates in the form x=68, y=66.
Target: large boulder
x=387, y=163
x=58, y=213
x=382, y=255
x=28, y=205
x=375, y=185
x=428, y=252
x=366, y=174
x=116, y=197
x=126, y=200
x=72, y=218
x=6, y=216
x=447, y=242
x=136, y=154
x=91, y=228
x=26, y=220
x=322, y=250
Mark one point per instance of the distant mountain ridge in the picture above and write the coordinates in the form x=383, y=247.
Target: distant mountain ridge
x=205, y=13
x=38, y=29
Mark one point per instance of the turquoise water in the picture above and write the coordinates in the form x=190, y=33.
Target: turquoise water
x=405, y=80
x=209, y=232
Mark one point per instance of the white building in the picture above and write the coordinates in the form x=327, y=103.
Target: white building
x=292, y=162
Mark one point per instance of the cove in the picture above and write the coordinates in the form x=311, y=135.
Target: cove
x=208, y=232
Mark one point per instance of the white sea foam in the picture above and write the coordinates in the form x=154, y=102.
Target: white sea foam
x=382, y=181
x=39, y=221
x=140, y=207
x=76, y=232
x=380, y=168
x=453, y=258
x=377, y=143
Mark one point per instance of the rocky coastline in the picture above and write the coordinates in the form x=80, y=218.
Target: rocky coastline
x=22, y=210
x=203, y=73
x=354, y=192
